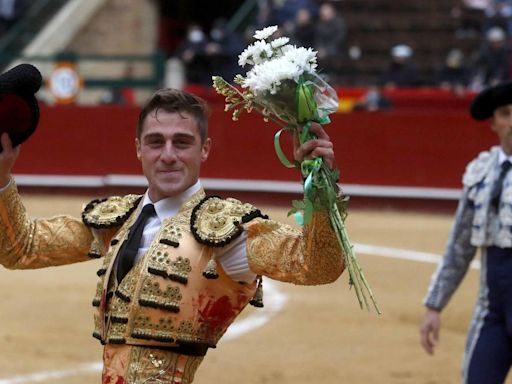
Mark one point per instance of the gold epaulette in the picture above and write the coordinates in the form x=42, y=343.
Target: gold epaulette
x=110, y=212
x=216, y=221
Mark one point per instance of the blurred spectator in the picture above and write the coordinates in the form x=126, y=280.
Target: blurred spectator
x=454, y=75
x=265, y=16
x=10, y=12
x=192, y=52
x=287, y=12
x=330, y=33
x=303, y=29
x=402, y=72
x=222, y=51
x=490, y=65
x=373, y=100
x=499, y=14
x=470, y=15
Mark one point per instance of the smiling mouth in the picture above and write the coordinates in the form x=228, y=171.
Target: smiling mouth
x=170, y=173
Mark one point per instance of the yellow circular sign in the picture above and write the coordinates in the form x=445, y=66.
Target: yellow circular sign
x=65, y=83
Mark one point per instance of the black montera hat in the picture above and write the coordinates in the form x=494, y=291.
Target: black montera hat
x=19, y=110
x=486, y=102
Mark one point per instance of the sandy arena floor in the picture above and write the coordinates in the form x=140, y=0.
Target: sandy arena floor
x=320, y=336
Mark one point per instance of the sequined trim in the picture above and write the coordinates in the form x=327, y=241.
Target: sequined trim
x=97, y=296
x=201, y=334
x=171, y=234
x=127, y=286
x=216, y=222
x=281, y=252
x=97, y=326
x=95, y=251
x=145, y=329
x=152, y=296
x=148, y=365
x=162, y=264
x=111, y=212
x=38, y=243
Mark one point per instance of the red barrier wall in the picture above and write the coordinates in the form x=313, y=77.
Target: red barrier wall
x=402, y=147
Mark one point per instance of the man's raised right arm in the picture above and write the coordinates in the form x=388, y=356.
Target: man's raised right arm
x=27, y=243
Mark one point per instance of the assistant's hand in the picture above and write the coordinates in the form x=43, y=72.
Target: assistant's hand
x=319, y=147
x=429, y=330
x=8, y=157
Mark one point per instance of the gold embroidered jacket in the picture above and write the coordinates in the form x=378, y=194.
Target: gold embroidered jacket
x=175, y=295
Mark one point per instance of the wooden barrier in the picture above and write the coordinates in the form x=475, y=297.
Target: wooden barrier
x=416, y=148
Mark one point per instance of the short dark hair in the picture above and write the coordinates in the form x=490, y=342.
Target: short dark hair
x=179, y=101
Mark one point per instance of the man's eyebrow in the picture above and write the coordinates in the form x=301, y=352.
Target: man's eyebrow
x=150, y=136
x=178, y=135
x=183, y=135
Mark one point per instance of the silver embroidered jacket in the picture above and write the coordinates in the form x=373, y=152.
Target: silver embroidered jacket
x=476, y=224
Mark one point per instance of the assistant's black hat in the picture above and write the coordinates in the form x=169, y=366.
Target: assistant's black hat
x=486, y=102
x=19, y=109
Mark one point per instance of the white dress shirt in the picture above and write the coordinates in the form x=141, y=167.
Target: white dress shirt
x=502, y=157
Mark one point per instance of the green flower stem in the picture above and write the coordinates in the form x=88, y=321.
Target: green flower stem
x=357, y=278
x=356, y=275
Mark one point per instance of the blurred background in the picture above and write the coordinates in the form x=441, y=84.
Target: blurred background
x=456, y=45
x=405, y=73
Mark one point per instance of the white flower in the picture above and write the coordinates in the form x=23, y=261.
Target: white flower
x=305, y=58
x=279, y=42
x=261, y=51
x=245, y=57
x=255, y=53
x=265, y=32
x=269, y=75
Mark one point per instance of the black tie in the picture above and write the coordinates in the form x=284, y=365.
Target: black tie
x=498, y=186
x=128, y=252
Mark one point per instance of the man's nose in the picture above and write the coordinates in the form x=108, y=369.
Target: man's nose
x=168, y=153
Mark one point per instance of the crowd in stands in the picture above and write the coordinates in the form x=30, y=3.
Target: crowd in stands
x=305, y=22
x=216, y=53
x=320, y=24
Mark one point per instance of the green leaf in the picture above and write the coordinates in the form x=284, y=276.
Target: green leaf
x=306, y=104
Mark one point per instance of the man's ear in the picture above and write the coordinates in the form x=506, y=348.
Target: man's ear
x=205, y=149
x=137, y=148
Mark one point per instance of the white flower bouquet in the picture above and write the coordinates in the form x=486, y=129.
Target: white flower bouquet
x=284, y=87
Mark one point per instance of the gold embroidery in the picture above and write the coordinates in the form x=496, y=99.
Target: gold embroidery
x=97, y=296
x=160, y=263
x=95, y=251
x=144, y=328
x=187, y=334
x=152, y=366
x=116, y=333
x=194, y=200
x=216, y=221
x=125, y=289
x=140, y=311
x=284, y=253
x=152, y=296
x=97, y=327
x=171, y=234
x=38, y=243
x=119, y=311
x=110, y=212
